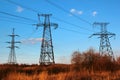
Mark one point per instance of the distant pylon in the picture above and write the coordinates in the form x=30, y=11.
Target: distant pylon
x=12, y=56
x=105, y=46
x=47, y=53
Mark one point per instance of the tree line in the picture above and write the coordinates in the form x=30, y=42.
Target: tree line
x=93, y=61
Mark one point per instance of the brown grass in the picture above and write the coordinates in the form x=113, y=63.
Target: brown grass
x=96, y=68
x=65, y=76
x=54, y=72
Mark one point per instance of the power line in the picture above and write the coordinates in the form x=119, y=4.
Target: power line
x=14, y=22
x=74, y=31
x=17, y=16
x=61, y=8
x=22, y=6
x=8, y=17
x=54, y=17
x=17, y=22
x=72, y=24
x=34, y=20
x=27, y=23
x=35, y=30
x=30, y=9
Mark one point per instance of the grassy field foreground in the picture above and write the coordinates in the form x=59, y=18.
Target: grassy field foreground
x=54, y=72
x=88, y=65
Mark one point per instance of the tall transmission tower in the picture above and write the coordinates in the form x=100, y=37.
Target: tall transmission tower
x=12, y=56
x=47, y=53
x=105, y=46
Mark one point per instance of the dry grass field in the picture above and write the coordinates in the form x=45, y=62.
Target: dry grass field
x=90, y=67
x=55, y=72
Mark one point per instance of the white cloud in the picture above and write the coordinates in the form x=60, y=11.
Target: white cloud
x=19, y=9
x=74, y=11
x=31, y=40
x=80, y=12
x=94, y=13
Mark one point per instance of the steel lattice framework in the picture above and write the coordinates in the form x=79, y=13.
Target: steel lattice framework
x=47, y=53
x=12, y=56
x=105, y=46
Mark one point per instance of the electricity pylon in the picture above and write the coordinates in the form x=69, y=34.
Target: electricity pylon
x=12, y=56
x=47, y=53
x=105, y=46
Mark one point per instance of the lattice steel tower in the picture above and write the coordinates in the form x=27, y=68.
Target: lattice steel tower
x=12, y=56
x=105, y=46
x=47, y=54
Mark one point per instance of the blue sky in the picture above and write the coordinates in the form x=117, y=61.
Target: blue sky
x=65, y=41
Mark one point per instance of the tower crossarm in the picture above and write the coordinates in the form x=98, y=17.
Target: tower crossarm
x=17, y=42
x=45, y=24
x=16, y=47
x=103, y=34
x=13, y=35
x=100, y=23
x=105, y=46
x=14, y=42
x=8, y=42
x=9, y=47
x=44, y=15
x=38, y=25
x=47, y=53
x=54, y=24
x=12, y=55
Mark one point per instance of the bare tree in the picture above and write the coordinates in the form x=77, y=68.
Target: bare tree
x=77, y=58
